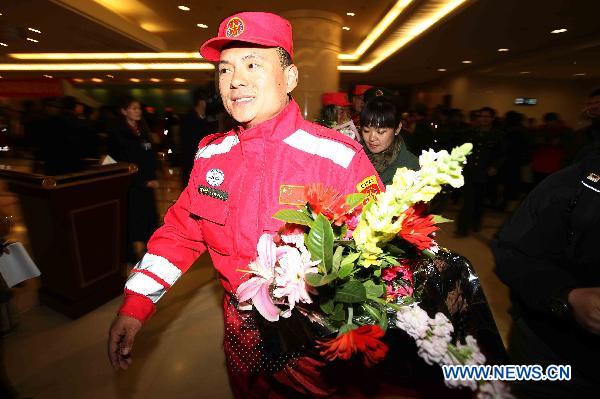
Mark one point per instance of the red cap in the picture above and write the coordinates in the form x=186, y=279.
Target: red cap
x=359, y=90
x=261, y=28
x=336, y=98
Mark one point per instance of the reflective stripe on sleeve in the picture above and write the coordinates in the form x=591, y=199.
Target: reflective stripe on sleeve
x=145, y=285
x=160, y=267
x=322, y=147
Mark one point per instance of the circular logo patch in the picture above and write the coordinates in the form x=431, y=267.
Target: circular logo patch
x=215, y=177
x=235, y=27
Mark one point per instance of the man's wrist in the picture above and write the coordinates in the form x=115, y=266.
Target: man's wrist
x=559, y=305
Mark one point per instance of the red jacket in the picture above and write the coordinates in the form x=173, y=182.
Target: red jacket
x=239, y=180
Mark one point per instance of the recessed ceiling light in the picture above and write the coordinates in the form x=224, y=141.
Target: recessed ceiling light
x=32, y=40
x=467, y=62
x=524, y=72
x=183, y=8
x=155, y=80
x=78, y=80
x=97, y=80
x=135, y=80
x=3, y=44
x=345, y=28
x=48, y=76
x=579, y=74
x=441, y=69
x=203, y=26
x=561, y=30
x=35, y=30
x=350, y=14
x=110, y=76
x=180, y=80
x=503, y=49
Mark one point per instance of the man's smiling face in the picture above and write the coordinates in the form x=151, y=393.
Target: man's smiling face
x=254, y=86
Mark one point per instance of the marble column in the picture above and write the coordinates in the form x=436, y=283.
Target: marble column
x=317, y=41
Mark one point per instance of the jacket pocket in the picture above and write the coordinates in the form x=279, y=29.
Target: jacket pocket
x=213, y=214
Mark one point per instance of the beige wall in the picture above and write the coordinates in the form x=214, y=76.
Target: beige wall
x=473, y=91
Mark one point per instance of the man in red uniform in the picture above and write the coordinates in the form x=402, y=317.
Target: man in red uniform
x=239, y=180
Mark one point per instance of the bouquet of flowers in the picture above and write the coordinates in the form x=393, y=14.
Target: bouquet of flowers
x=352, y=262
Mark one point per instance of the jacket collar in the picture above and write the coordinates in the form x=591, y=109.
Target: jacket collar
x=276, y=128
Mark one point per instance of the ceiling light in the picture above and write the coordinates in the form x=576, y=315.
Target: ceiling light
x=376, y=32
x=183, y=8
x=48, y=76
x=97, y=80
x=203, y=26
x=467, y=62
x=411, y=29
x=3, y=44
x=179, y=80
x=108, y=66
x=345, y=28
x=503, y=49
x=77, y=80
x=350, y=14
x=561, y=30
x=32, y=40
x=579, y=74
x=524, y=72
x=441, y=69
x=155, y=80
x=34, y=30
x=110, y=76
x=135, y=80
x=104, y=56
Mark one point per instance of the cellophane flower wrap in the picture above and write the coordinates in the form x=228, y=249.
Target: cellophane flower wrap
x=350, y=260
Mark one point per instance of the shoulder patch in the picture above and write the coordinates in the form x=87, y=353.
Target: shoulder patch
x=322, y=147
x=216, y=149
x=592, y=181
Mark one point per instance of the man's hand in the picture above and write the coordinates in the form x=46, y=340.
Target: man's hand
x=585, y=303
x=120, y=341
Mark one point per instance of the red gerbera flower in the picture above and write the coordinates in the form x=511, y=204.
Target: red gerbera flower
x=364, y=339
x=328, y=202
x=417, y=229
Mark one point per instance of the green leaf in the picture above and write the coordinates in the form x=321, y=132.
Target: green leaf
x=383, y=322
x=318, y=280
x=394, y=250
x=293, y=216
x=319, y=242
x=391, y=260
x=373, y=290
x=374, y=313
x=339, y=314
x=440, y=219
x=350, y=258
x=355, y=200
x=337, y=259
x=351, y=292
x=347, y=265
x=345, y=270
x=327, y=306
x=377, y=272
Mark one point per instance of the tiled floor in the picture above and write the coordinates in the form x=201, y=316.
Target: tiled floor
x=178, y=353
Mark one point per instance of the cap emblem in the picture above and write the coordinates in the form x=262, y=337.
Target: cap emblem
x=235, y=27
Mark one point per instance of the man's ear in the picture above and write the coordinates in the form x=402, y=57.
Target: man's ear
x=291, y=78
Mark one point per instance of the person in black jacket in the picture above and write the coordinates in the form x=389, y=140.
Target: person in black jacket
x=194, y=126
x=548, y=255
x=130, y=141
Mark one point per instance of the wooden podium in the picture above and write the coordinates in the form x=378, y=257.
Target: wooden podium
x=76, y=225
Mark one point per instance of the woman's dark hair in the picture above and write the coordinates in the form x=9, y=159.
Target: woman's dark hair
x=380, y=112
x=126, y=101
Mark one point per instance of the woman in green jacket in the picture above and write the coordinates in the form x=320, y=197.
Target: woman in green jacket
x=380, y=131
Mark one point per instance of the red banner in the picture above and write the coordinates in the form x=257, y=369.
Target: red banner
x=31, y=88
